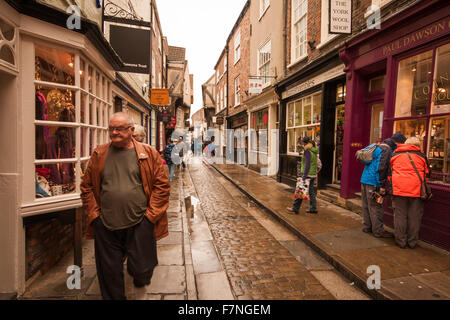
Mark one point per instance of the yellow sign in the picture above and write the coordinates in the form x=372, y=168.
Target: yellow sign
x=159, y=97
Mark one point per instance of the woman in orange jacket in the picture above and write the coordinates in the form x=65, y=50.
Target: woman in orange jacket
x=406, y=185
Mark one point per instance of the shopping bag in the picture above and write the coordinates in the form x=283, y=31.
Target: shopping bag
x=302, y=189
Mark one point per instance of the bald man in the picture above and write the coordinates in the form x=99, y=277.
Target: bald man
x=125, y=193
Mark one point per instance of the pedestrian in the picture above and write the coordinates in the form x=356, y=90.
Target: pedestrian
x=125, y=193
x=139, y=133
x=307, y=170
x=180, y=147
x=373, y=186
x=168, y=157
x=406, y=186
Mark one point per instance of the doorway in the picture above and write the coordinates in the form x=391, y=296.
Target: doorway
x=338, y=143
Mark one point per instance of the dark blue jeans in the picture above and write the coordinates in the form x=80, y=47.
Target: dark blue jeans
x=312, y=198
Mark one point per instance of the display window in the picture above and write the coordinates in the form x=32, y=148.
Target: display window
x=70, y=121
x=425, y=112
x=259, y=126
x=303, y=119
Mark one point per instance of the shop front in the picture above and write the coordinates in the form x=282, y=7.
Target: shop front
x=313, y=106
x=401, y=82
x=239, y=124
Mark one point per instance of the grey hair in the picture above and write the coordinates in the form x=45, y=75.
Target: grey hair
x=413, y=141
x=125, y=115
x=139, y=130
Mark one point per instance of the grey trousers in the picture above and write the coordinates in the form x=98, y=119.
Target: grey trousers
x=372, y=211
x=408, y=212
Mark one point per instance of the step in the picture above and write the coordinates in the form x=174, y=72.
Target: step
x=358, y=195
x=334, y=187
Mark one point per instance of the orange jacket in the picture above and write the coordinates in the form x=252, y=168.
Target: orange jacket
x=405, y=181
x=154, y=180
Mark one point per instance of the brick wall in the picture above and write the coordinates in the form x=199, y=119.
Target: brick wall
x=242, y=67
x=46, y=242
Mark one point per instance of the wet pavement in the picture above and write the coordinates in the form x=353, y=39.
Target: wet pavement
x=222, y=247
x=335, y=233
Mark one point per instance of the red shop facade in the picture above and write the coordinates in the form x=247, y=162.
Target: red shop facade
x=398, y=79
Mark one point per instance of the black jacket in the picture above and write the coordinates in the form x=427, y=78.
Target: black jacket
x=384, y=169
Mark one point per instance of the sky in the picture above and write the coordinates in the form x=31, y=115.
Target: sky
x=202, y=27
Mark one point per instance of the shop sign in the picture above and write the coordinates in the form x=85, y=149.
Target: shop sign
x=254, y=86
x=417, y=37
x=124, y=38
x=159, y=97
x=165, y=116
x=340, y=16
x=219, y=120
x=444, y=108
x=335, y=72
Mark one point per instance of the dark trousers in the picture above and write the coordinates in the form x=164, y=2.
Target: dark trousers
x=137, y=242
x=408, y=214
x=312, y=198
x=373, y=212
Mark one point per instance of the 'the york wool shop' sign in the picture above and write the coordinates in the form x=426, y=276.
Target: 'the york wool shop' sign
x=340, y=16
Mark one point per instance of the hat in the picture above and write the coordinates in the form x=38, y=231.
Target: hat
x=398, y=137
x=306, y=139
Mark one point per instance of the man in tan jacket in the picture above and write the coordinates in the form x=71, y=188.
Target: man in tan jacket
x=125, y=193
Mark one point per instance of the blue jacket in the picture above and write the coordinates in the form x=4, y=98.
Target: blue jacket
x=376, y=171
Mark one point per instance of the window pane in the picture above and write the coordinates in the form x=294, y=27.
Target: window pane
x=55, y=105
x=290, y=114
x=317, y=108
x=292, y=144
x=412, y=128
x=298, y=112
x=82, y=74
x=441, y=83
x=413, y=85
x=97, y=83
x=83, y=108
x=91, y=110
x=439, y=150
x=90, y=75
x=84, y=142
x=55, y=142
x=54, y=65
x=307, y=111
x=55, y=179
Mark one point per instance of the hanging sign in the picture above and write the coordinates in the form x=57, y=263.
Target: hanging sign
x=219, y=120
x=254, y=85
x=165, y=116
x=340, y=16
x=159, y=97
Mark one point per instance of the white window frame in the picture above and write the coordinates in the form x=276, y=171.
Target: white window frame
x=100, y=94
x=294, y=127
x=224, y=64
x=264, y=62
x=221, y=98
x=299, y=19
x=237, y=91
x=263, y=6
x=325, y=35
x=237, y=46
x=379, y=3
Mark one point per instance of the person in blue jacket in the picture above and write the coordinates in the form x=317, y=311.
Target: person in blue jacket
x=374, y=179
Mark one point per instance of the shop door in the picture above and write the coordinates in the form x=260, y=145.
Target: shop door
x=376, y=122
x=338, y=143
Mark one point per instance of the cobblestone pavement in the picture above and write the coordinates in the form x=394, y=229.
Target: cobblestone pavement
x=258, y=265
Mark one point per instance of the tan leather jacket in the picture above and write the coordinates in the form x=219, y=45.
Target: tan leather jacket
x=154, y=180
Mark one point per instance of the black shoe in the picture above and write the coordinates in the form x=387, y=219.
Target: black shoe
x=412, y=247
x=140, y=284
x=312, y=211
x=291, y=211
x=367, y=230
x=385, y=234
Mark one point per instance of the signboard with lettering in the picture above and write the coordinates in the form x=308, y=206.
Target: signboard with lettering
x=255, y=85
x=340, y=17
x=165, y=116
x=219, y=120
x=159, y=97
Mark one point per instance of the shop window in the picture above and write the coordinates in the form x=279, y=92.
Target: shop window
x=441, y=81
x=259, y=123
x=439, y=150
x=303, y=118
x=59, y=150
x=413, y=86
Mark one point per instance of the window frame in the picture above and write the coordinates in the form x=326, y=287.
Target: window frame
x=266, y=78
x=262, y=8
x=237, y=91
x=295, y=59
x=237, y=46
x=100, y=94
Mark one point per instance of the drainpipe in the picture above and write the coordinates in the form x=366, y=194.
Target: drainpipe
x=284, y=36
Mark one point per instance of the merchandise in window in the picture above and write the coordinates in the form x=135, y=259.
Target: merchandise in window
x=413, y=85
x=439, y=150
x=259, y=123
x=441, y=92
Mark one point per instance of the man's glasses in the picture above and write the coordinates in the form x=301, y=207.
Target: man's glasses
x=118, y=129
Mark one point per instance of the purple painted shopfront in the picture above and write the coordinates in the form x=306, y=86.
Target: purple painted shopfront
x=398, y=79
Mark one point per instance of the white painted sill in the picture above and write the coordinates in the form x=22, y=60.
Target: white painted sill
x=262, y=15
x=297, y=61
